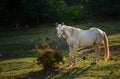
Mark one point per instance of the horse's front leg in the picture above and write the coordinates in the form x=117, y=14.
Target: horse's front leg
x=75, y=52
x=70, y=56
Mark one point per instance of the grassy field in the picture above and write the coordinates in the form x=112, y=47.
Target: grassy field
x=16, y=56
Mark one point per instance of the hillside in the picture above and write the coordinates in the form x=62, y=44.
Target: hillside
x=16, y=56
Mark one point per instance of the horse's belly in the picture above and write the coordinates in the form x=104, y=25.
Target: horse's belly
x=86, y=43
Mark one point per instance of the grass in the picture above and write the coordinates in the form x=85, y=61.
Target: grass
x=21, y=42
x=18, y=66
x=17, y=58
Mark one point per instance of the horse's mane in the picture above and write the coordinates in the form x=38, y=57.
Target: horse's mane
x=69, y=27
x=69, y=31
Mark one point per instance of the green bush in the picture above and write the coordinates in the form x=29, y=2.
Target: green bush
x=74, y=13
x=48, y=57
x=77, y=12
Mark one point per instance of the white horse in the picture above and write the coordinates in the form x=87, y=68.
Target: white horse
x=77, y=37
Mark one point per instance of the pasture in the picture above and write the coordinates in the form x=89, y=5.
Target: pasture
x=16, y=56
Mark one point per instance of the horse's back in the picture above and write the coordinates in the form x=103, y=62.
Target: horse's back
x=97, y=30
x=88, y=37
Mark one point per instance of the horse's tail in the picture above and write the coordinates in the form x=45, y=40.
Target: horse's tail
x=106, y=47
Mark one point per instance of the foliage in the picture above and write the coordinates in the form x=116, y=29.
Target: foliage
x=26, y=12
x=43, y=8
x=48, y=57
x=104, y=7
x=75, y=12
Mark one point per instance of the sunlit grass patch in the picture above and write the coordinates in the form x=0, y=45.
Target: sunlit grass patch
x=114, y=39
x=18, y=66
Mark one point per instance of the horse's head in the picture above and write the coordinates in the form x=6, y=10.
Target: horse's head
x=59, y=28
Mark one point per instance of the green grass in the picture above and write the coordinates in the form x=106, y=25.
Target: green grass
x=21, y=42
x=18, y=66
x=17, y=46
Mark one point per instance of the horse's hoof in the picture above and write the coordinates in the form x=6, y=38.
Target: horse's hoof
x=94, y=63
x=68, y=65
x=74, y=65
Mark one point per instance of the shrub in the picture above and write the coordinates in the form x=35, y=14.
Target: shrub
x=74, y=13
x=48, y=57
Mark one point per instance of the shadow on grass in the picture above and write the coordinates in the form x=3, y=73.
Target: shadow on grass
x=59, y=74
x=74, y=72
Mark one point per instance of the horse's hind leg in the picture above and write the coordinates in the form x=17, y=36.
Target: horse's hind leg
x=97, y=51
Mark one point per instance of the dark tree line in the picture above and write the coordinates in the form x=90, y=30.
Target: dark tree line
x=22, y=12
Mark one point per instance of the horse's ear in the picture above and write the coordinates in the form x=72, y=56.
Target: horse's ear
x=62, y=23
x=56, y=24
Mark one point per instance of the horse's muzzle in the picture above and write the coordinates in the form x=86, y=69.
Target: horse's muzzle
x=59, y=39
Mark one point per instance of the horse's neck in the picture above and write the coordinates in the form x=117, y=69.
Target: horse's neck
x=67, y=31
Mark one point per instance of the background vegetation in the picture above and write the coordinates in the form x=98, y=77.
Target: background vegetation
x=19, y=13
